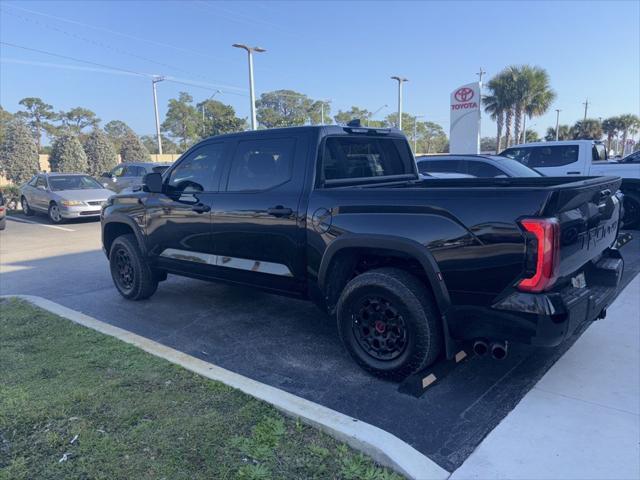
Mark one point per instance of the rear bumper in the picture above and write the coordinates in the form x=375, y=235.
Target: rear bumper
x=545, y=319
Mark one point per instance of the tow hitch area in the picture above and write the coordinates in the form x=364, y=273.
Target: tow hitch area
x=418, y=383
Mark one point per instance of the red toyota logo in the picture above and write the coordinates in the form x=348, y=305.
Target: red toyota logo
x=463, y=94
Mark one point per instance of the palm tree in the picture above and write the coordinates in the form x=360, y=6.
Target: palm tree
x=564, y=133
x=532, y=94
x=610, y=127
x=627, y=122
x=499, y=105
x=495, y=110
x=589, y=129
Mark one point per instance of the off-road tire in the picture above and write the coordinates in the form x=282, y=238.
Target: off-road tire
x=413, y=300
x=631, y=203
x=143, y=282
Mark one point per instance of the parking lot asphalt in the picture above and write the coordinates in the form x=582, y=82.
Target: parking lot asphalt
x=286, y=343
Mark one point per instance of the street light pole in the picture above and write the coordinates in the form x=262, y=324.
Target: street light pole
x=557, y=122
x=155, y=80
x=250, y=51
x=400, y=80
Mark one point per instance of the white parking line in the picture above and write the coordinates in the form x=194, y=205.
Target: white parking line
x=41, y=224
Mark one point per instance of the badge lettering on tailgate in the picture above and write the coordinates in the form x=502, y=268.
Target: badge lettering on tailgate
x=592, y=237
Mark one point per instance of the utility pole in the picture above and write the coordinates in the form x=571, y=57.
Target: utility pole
x=203, y=103
x=155, y=80
x=586, y=106
x=557, y=122
x=250, y=51
x=480, y=74
x=415, y=133
x=400, y=80
x=375, y=113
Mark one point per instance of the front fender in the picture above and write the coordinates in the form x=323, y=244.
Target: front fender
x=122, y=219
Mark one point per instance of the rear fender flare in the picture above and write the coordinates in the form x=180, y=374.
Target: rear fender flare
x=408, y=247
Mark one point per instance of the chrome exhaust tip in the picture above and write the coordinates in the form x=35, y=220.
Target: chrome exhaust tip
x=499, y=350
x=480, y=347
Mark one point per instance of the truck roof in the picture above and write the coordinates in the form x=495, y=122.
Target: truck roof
x=323, y=129
x=559, y=142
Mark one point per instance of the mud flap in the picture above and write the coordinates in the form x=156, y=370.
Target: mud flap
x=418, y=383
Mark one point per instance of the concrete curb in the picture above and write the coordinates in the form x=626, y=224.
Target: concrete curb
x=380, y=445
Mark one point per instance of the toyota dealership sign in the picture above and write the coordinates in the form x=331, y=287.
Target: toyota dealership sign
x=464, y=134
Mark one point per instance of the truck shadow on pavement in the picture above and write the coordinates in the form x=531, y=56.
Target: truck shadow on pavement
x=291, y=345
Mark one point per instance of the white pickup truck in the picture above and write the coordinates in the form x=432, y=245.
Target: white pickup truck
x=583, y=158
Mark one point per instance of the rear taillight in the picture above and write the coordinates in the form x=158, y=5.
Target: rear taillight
x=546, y=242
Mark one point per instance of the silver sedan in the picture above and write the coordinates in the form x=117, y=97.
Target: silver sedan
x=63, y=196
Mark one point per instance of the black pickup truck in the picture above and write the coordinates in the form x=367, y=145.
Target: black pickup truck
x=410, y=267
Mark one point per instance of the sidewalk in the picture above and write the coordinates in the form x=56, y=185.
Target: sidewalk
x=582, y=420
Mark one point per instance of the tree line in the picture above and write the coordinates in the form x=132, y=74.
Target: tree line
x=522, y=91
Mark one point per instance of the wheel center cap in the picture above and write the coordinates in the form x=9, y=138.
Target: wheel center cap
x=380, y=326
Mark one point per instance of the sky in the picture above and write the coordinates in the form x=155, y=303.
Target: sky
x=344, y=52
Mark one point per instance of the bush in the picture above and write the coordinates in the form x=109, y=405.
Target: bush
x=11, y=194
x=101, y=156
x=133, y=150
x=67, y=155
x=18, y=154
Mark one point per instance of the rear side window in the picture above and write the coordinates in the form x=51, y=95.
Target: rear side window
x=543, y=156
x=134, y=171
x=365, y=157
x=484, y=170
x=41, y=182
x=442, y=166
x=261, y=164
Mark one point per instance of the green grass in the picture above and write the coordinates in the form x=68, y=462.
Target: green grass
x=137, y=416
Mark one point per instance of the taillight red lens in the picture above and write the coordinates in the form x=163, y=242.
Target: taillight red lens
x=546, y=232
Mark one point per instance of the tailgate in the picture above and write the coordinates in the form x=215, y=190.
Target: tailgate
x=588, y=212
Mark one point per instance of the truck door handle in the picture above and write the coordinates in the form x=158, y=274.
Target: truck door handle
x=201, y=208
x=279, y=211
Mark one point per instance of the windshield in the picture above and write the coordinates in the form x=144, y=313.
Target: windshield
x=517, y=169
x=72, y=182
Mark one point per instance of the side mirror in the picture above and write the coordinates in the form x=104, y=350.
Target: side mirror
x=152, y=182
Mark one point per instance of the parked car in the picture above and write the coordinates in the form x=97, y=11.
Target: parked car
x=631, y=158
x=479, y=166
x=3, y=213
x=63, y=196
x=130, y=175
x=411, y=267
x=583, y=157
